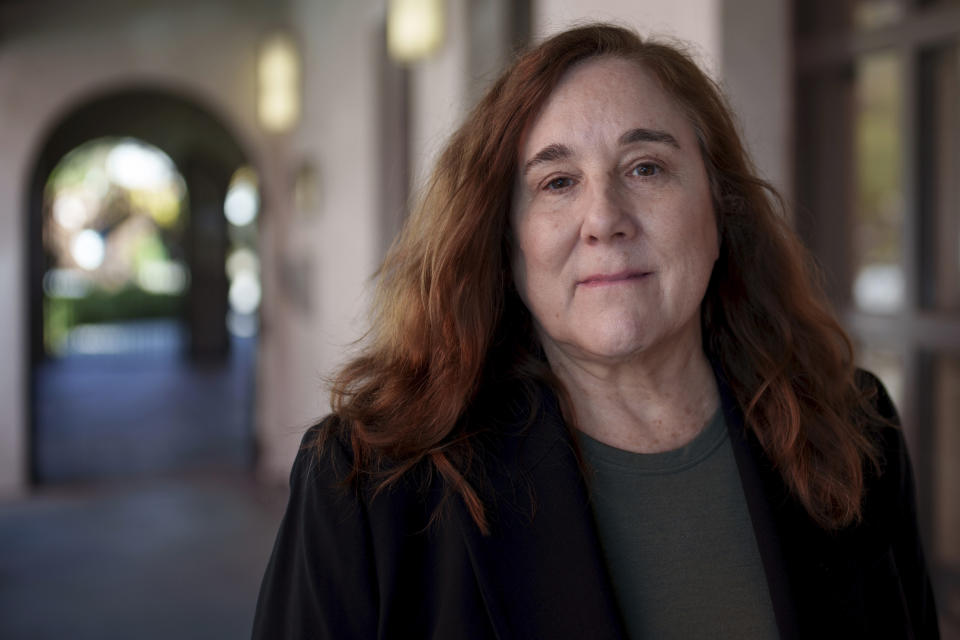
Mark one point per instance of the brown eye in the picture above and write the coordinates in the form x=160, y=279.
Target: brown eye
x=645, y=170
x=558, y=183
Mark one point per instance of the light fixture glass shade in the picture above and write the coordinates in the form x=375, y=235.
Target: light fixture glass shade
x=414, y=28
x=278, y=75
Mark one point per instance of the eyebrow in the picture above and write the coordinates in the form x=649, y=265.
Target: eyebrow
x=550, y=153
x=554, y=152
x=648, y=135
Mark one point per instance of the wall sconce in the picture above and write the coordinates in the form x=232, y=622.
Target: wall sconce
x=278, y=84
x=414, y=28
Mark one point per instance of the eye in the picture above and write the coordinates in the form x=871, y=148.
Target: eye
x=646, y=170
x=557, y=184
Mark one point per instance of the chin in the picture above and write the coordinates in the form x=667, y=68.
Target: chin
x=614, y=347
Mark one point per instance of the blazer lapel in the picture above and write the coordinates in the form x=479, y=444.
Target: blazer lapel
x=540, y=571
x=814, y=576
x=762, y=488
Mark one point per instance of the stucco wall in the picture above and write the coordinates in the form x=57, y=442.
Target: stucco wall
x=332, y=243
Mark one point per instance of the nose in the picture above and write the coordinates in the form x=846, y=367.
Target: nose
x=608, y=215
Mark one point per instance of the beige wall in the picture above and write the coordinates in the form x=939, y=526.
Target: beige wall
x=696, y=22
x=756, y=63
x=336, y=240
x=439, y=99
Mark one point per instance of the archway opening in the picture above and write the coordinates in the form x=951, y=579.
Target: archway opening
x=144, y=289
x=117, y=277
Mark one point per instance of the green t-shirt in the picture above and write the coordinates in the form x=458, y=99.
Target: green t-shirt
x=678, y=540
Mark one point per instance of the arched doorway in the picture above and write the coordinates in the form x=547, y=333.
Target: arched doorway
x=121, y=414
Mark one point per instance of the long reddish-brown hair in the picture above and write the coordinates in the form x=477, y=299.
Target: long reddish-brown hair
x=446, y=317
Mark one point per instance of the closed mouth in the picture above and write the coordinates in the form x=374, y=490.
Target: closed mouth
x=612, y=278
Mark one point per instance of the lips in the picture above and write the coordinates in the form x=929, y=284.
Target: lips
x=601, y=279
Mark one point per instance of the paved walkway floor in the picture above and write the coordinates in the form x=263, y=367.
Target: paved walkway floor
x=142, y=408
x=147, y=523
x=166, y=558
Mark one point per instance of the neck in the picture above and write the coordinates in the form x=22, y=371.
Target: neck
x=646, y=405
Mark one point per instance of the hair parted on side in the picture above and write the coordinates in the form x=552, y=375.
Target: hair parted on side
x=445, y=307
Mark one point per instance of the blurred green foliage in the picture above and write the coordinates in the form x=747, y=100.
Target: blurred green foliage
x=99, y=306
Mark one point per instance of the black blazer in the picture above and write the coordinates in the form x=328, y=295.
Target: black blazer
x=355, y=566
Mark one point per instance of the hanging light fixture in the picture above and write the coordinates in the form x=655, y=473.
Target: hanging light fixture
x=278, y=84
x=414, y=28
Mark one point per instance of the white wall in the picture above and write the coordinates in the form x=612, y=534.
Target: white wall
x=694, y=21
x=439, y=94
x=756, y=68
x=336, y=240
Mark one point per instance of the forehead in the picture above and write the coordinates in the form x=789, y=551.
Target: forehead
x=600, y=98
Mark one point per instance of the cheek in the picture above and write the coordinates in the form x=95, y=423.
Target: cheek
x=528, y=252
x=537, y=265
x=690, y=243
x=544, y=241
x=523, y=259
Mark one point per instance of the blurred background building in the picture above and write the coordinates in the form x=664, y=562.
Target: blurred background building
x=194, y=195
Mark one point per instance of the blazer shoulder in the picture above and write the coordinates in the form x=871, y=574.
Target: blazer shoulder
x=320, y=581
x=891, y=502
x=876, y=395
x=895, y=477
x=325, y=453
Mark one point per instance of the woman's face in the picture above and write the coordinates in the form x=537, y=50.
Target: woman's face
x=614, y=229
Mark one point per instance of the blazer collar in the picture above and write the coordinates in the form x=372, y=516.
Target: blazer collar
x=762, y=488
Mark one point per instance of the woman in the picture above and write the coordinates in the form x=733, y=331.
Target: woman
x=602, y=396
